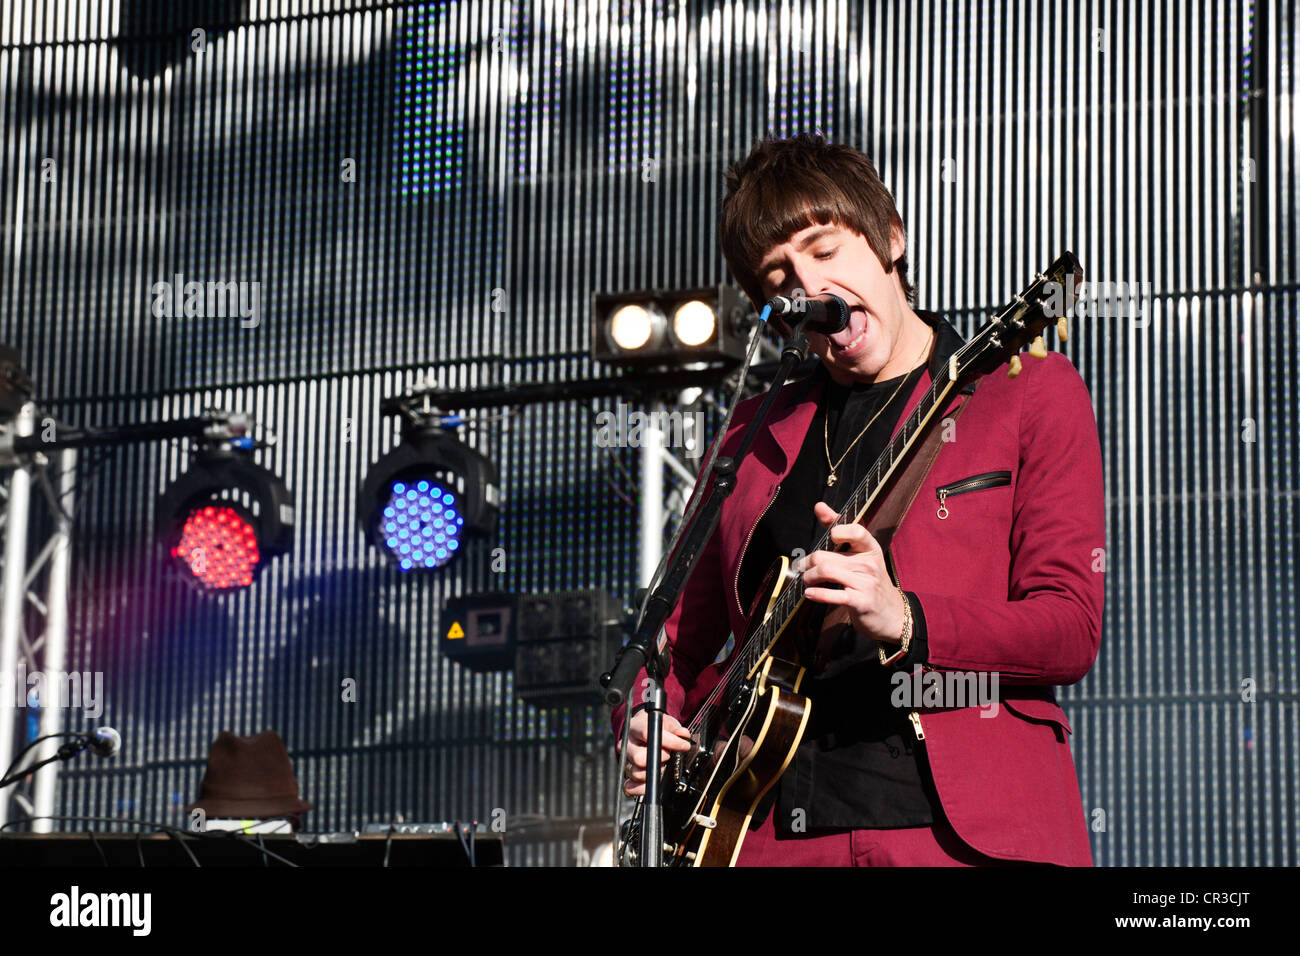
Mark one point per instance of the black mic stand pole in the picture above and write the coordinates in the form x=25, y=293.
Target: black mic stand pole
x=646, y=648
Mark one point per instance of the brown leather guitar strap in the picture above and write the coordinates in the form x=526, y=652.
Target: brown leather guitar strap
x=883, y=520
x=887, y=514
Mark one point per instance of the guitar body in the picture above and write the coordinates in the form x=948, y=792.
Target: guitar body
x=750, y=737
x=747, y=760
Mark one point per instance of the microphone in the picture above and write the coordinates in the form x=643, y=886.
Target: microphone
x=105, y=741
x=825, y=313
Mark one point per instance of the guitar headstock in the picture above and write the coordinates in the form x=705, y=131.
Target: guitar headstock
x=1021, y=323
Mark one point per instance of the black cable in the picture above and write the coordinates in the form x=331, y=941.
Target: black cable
x=613, y=456
x=93, y=470
x=244, y=838
x=66, y=752
x=78, y=494
x=388, y=844
x=57, y=816
x=95, y=843
x=184, y=846
x=472, y=423
x=10, y=772
x=460, y=837
x=160, y=827
x=139, y=848
x=55, y=499
x=469, y=852
x=618, y=492
x=702, y=479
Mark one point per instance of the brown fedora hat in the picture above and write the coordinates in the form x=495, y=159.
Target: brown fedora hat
x=249, y=777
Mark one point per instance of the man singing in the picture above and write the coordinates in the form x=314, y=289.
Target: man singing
x=999, y=560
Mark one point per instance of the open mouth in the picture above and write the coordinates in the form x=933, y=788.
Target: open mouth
x=859, y=331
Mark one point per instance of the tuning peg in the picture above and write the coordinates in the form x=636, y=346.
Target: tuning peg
x=1038, y=348
x=1063, y=329
x=1015, y=367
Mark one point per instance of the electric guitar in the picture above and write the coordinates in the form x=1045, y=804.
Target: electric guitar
x=748, y=713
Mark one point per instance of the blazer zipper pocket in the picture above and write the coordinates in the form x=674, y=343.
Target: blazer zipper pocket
x=990, y=479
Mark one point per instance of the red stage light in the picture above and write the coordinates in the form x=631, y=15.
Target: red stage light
x=219, y=547
x=222, y=519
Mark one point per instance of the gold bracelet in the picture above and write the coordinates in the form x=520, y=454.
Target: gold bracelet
x=907, y=634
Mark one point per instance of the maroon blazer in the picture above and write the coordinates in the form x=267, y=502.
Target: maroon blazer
x=1011, y=581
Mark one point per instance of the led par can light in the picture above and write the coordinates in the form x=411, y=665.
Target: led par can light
x=422, y=500
x=221, y=520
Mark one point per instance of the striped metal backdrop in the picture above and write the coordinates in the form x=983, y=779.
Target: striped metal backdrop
x=433, y=191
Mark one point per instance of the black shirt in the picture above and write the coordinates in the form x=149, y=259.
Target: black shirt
x=859, y=764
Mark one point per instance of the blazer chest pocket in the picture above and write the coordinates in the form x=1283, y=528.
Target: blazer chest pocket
x=989, y=479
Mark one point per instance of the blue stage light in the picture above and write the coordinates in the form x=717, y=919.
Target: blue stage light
x=419, y=524
x=421, y=500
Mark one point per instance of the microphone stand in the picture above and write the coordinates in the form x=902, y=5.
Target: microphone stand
x=65, y=752
x=646, y=648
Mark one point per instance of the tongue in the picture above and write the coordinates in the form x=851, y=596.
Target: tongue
x=855, y=329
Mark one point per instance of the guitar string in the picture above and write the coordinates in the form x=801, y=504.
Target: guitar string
x=755, y=646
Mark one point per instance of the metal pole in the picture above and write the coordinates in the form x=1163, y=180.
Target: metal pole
x=56, y=639
x=13, y=593
x=652, y=494
x=652, y=546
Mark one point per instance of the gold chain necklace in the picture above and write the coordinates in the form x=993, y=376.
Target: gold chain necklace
x=826, y=423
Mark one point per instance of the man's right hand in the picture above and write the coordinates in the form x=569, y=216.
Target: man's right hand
x=676, y=738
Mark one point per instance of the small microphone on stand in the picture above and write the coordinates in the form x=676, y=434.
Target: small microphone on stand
x=105, y=741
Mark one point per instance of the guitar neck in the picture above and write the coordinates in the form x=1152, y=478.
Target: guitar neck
x=865, y=494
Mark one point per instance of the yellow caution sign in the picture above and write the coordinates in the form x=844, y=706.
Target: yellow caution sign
x=456, y=631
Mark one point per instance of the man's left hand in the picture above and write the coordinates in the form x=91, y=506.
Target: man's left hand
x=875, y=605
